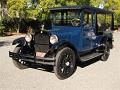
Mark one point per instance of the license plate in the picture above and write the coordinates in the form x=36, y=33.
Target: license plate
x=40, y=54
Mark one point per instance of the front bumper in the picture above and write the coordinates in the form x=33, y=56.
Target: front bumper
x=31, y=58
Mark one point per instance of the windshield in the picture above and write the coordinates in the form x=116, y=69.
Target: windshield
x=66, y=18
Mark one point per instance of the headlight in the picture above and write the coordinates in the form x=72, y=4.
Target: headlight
x=28, y=37
x=53, y=39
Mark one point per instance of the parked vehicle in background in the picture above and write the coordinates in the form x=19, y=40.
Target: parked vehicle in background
x=77, y=33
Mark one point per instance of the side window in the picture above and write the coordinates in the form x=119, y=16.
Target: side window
x=57, y=18
x=73, y=18
x=108, y=22
x=66, y=18
x=101, y=23
x=87, y=22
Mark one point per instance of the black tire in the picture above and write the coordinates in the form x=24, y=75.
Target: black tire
x=65, y=64
x=16, y=62
x=106, y=52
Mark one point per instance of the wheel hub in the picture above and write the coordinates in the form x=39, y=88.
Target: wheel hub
x=67, y=63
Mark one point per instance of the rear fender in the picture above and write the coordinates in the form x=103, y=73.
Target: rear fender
x=104, y=39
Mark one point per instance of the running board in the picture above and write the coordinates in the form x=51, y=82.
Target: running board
x=90, y=56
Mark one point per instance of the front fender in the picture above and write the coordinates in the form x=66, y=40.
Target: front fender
x=57, y=45
x=62, y=44
x=20, y=41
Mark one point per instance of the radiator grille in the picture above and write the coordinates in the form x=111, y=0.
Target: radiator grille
x=41, y=42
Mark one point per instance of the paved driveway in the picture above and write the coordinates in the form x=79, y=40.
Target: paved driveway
x=96, y=76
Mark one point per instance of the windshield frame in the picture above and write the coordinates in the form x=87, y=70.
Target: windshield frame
x=65, y=17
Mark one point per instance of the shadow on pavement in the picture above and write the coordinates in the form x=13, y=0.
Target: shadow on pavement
x=4, y=43
x=46, y=68
x=50, y=68
x=87, y=63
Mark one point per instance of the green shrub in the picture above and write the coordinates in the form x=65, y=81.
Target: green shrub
x=10, y=24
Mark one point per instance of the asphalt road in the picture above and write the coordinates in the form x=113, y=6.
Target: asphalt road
x=96, y=76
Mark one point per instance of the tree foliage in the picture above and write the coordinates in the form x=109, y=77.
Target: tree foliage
x=16, y=8
x=30, y=9
x=38, y=9
x=112, y=5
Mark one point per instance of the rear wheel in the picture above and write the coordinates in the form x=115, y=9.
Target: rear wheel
x=65, y=63
x=17, y=63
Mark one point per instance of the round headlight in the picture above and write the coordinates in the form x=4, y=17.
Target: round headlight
x=53, y=39
x=28, y=37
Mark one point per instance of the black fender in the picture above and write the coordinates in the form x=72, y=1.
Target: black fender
x=65, y=44
x=107, y=39
x=62, y=44
x=21, y=41
x=104, y=39
x=58, y=46
x=110, y=40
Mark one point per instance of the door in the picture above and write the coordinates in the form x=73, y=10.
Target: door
x=88, y=34
x=87, y=39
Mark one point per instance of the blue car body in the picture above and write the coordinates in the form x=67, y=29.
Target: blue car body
x=78, y=36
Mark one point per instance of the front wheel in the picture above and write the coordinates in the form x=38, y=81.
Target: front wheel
x=65, y=64
x=106, y=52
x=17, y=63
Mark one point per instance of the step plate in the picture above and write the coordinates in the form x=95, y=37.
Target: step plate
x=90, y=56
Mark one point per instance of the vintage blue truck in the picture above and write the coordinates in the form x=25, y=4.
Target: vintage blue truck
x=77, y=33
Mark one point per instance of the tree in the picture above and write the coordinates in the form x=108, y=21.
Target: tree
x=44, y=5
x=3, y=8
x=17, y=8
x=116, y=9
x=22, y=9
x=72, y=2
x=112, y=5
x=38, y=9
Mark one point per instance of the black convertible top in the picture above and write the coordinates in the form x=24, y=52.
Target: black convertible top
x=89, y=8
